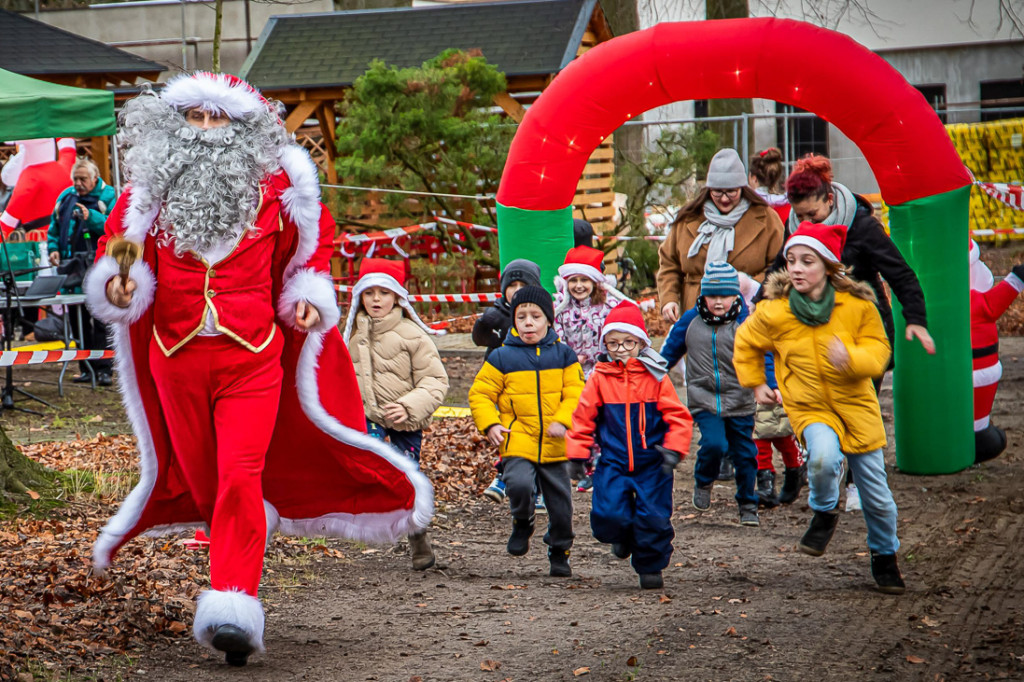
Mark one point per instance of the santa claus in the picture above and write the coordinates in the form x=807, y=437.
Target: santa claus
x=39, y=172
x=239, y=388
x=988, y=303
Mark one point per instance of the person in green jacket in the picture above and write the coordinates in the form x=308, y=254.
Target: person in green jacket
x=75, y=227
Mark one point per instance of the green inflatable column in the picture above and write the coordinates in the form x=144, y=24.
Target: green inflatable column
x=541, y=236
x=933, y=395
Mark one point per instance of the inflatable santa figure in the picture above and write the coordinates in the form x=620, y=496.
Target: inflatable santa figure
x=988, y=303
x=39, y=172
x=235, y=378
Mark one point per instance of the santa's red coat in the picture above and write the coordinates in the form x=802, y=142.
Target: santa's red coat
x=35, y=195
x=323, y=475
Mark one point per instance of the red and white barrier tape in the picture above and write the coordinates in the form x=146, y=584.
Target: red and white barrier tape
x=468, y=226
x=646, y=237
x=39, y=357
x=1011, y=195
x=439, y=298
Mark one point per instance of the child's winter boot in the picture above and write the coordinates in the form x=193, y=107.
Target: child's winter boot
x=726, y=470
x=422, y=553
x=651, y=581
x=791, y=485
x=559, y=559
x=621, y=550
x=519, y=541
x=819, y=533
x=766, y=489
x=887, y=573
x=748, y=515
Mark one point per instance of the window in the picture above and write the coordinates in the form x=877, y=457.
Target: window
x=700, y=108
x=936, y=97
x=804, y=134
x=1002, y=99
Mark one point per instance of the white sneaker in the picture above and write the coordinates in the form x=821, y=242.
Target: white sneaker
x=852, y=498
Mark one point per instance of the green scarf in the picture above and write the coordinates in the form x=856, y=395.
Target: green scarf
x=813, y=313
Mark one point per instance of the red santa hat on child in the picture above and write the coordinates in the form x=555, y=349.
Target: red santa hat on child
x=214, y=92
x=825, y=240
x=584, y=261
x=389, y=274
x=626, y=317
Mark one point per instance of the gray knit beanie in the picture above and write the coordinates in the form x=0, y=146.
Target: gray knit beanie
x=726, y=170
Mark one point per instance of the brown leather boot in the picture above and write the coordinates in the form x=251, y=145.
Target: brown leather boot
x=422, y=554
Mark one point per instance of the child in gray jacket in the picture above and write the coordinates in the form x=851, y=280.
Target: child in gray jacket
x=721, y=407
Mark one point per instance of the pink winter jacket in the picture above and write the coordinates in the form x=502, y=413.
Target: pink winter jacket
x=579, y=327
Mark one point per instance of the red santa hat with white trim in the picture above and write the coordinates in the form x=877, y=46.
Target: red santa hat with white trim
x=626, y=317
x=825, y=240
x=583, y=261
x=389, y=274
x=214, y=92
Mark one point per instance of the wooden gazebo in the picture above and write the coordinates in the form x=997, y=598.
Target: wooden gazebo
x=32, y=48
x=309, y=61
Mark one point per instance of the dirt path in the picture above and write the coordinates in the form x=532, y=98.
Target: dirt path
x=739, y=603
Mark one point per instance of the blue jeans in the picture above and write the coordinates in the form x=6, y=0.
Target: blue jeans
x=719, y=435
x=634, y=509
x=409, y=442
x=824, y=465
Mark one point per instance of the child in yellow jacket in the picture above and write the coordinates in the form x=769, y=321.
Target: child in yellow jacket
x=829, y=343
x=523, y=399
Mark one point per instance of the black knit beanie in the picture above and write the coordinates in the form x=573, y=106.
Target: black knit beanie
x=537, y=295
x=520, y=270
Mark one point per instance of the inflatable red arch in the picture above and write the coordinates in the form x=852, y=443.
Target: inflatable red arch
x=918, y=172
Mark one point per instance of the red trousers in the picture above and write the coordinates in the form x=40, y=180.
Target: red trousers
x=784, y=444
x=220, y=402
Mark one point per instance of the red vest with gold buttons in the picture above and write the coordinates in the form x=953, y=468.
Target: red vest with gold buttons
x=237, y=290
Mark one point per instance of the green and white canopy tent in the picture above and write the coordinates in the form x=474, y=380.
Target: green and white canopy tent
x=31, y=109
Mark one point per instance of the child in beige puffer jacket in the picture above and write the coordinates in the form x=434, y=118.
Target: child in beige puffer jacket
x=401, y=377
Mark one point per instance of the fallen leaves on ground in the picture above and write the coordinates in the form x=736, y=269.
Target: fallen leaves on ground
x=457, y=458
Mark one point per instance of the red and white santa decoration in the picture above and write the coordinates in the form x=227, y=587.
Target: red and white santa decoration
x=988, y=303
x=39, y=172
x=246, y=410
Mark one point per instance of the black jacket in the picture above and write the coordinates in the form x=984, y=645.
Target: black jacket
x=492, y=327
x=871, y=256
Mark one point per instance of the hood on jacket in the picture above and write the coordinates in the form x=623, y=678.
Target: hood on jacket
x=519, y=270
x=777, y=285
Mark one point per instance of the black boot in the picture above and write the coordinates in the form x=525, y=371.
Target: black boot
x=726, y=470
x=621, y=550
x=817, y=537
x=792, y=484
x=651, y=581
x=559, y=559
x=887, y=573
x=234, y=643
x=519, y=541
x=766, y=489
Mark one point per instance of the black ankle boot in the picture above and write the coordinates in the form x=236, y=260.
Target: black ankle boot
x=621, y=550
x=791, y=485
x=651, y=581
x=817, y=537
x=726, y=470
x=519, y=541
x=887, y=573
x=766, y=489
x=559, y=559
x=234, y=643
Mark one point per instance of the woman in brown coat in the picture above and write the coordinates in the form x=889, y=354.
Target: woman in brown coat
x=727, y=221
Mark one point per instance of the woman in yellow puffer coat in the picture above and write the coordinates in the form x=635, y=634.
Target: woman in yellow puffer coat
x=829, y=343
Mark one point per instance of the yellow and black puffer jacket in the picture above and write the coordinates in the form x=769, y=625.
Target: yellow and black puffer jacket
x=526, y=388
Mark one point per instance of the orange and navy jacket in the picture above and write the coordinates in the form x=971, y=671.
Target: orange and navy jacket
x=627, y=409
x=525, y=387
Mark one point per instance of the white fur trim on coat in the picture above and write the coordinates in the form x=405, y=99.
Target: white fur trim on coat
x=316, y=289
x=95, y=288
x=228, y=607
x=212, y=92
x=372, y=527
x=301, y=203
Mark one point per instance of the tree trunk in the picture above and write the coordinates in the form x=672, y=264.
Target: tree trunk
x=730, y=135
x=17, y=472
x=218, y=24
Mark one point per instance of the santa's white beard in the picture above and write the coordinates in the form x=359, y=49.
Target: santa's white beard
x=207, y=182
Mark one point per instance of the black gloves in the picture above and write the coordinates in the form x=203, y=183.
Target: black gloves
x=1019, y=271
x=669, y=459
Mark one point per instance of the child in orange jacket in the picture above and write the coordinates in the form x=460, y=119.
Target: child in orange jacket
x=630, y=408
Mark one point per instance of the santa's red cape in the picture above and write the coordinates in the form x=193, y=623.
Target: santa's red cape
x=323, y=475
